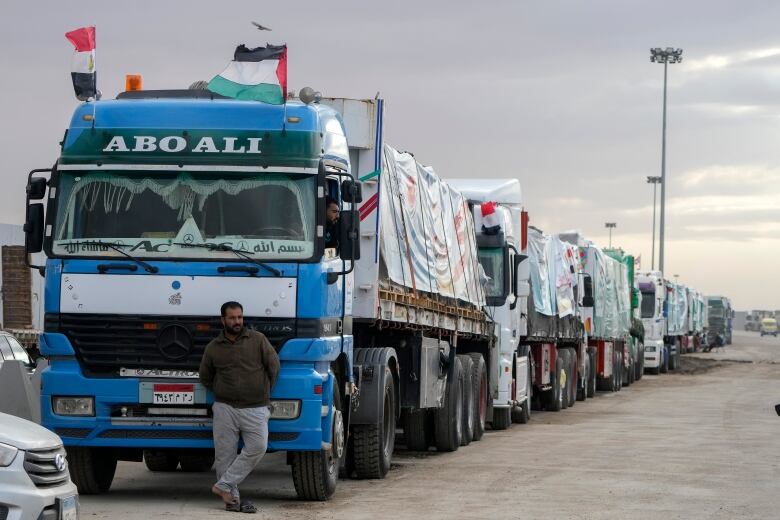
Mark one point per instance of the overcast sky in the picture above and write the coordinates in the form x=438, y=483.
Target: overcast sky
x=560, y=94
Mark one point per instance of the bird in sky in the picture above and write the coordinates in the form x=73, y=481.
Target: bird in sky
x=261, y=27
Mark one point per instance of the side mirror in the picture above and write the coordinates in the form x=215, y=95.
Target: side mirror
x=351, y=191
x=350, y=235
x=520, y=276
x=33, y=228
x=36, y=188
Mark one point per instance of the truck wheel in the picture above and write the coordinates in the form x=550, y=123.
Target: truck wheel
x=574, y=380
x=627, y=374
x=417, y=430
x=468, y=399
x=316, y=473
x=555, y=394
x=502, y=418
x=582, y=385
x=592, y=380
x=196, y=462
x=664, y=364
x=448, y=418
x=480, y=391
x=374, y=443
x=161, y=460
x=91, y=469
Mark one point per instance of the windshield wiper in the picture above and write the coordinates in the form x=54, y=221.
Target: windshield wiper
x=116, y=247
x=238, y=252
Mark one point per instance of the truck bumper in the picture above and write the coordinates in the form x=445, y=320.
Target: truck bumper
x=296, y=381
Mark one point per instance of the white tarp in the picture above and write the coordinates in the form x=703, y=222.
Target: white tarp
x=427, y=232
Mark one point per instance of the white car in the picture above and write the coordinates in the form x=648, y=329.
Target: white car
x=34, y=478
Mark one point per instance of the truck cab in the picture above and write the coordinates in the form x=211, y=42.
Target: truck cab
x=162, y=206
x=653, y=312
x=499, y=222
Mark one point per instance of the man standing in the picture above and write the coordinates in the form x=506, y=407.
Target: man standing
x=240, y=366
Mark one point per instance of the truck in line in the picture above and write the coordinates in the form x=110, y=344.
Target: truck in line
x=428, y=315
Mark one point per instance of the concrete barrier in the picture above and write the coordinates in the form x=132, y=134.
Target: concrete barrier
x=17, y=395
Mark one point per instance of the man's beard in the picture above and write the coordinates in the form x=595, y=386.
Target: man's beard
x=234, y=330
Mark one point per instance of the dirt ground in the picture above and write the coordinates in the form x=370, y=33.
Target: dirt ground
x=700, y=443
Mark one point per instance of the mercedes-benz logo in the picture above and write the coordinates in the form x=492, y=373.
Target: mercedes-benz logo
x=189, y=238
x=174, y=342
x=59, y=461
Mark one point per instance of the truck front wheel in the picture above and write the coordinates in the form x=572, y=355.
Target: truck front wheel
x=480, y=391
x=91, y=469
x=316, y=473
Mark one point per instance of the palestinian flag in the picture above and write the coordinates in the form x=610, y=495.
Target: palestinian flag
x=83, y=66
x=258, y=74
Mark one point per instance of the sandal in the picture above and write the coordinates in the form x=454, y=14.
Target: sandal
x=247, y=507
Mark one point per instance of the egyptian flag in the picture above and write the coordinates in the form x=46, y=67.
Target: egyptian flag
x=83, y=67
x=490, y=223
x=258, y=74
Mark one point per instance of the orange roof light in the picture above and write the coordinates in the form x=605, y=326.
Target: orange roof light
x=134, y=82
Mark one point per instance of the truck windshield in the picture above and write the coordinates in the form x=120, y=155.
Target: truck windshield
x=492, y=261
x=648, y=304
x=270, y=216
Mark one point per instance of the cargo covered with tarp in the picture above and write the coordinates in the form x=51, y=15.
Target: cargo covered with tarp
x=427, y=238
x=551, y=305
x=676, y=309
x=611, y=295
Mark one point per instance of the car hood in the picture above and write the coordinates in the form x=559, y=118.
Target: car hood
x=26, y=435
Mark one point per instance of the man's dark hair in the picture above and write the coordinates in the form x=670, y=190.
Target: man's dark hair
x=230, y=305
x=330, y=200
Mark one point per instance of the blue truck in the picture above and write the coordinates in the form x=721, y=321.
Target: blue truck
x=164, y=204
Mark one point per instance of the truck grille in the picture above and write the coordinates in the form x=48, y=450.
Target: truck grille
x=48, y=467
x=104, y=343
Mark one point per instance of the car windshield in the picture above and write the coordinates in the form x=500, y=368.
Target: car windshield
x=156, y=214
x=648, y=304
x=492, y=261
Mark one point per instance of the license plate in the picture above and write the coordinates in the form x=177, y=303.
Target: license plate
x=173, y=394
x=69, y=508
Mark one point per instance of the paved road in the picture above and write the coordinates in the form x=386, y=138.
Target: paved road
x=699, y=444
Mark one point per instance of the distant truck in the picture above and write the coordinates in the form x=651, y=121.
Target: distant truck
x=720, y=315
x=662, y=307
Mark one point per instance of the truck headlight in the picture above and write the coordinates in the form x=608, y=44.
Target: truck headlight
x=7, y=454
x=285, y=409
x=78, y=406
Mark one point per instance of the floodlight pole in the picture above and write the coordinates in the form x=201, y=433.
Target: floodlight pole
x=664, y=56
x=654, y=181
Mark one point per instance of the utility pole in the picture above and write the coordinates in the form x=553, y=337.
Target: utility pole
x=665, y=56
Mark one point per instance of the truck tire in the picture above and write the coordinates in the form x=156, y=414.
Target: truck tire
x=316, y=473
x=196, y=462
x=555, y=394
x=417, y=430
x=467, y=388
x=593, y=373
x=565, y=356
x=502, y=418
x=480, y=391
x=627, y=374
x=161, y=460
x=374, y=443
x=448, y=418
x=664, y=365
x=572, y=380
x=91, y=469
x=584, y=382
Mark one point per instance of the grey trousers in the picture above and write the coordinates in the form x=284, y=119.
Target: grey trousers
x=251, y=424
